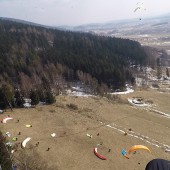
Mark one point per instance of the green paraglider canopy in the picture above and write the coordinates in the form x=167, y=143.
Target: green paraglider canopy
x=14, y=139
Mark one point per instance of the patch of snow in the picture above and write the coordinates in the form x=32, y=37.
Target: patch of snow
x=26, y=100
x=27, y=105
x=77, y=93
x=1, y=111
x=161, y=113
x=128, y=90
x=136, y=103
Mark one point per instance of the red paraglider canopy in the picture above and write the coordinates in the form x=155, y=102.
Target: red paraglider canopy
x=99, y=155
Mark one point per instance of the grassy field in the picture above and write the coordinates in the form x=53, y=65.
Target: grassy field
x=71, y=118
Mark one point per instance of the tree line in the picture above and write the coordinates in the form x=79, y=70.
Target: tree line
x=12, y=98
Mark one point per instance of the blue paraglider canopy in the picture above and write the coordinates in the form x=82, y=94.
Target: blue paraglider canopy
x=158, y=164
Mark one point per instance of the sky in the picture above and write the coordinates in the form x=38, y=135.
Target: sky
x=79, y=12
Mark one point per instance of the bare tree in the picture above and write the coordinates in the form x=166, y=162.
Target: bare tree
x=31, y=160
x=5, y=157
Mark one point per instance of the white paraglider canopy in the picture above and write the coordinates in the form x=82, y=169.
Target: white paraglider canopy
x=53, y=135
x=25, y=141
x=139, y=6
x=6, y=119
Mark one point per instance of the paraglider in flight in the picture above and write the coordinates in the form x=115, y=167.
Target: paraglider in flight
x=137, y=147
x=140, y=8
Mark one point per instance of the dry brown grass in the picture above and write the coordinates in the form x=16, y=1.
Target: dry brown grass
x=73, y=150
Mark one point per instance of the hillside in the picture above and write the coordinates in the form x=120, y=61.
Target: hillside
x=152, y=32
x=31, y=54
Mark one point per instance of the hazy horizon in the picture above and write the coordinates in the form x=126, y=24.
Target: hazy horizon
x=79, y=12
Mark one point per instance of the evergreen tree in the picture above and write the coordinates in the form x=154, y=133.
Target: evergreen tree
x=34, y=97
x=41, y=95
x=19, y=99
x=49, y=97
x=159, y=69
x=45, y=83
x=6, y=96
x=167, y=72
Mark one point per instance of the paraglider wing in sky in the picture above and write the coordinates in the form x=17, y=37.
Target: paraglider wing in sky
x=136, y=9
x=137, y=147
x=139, y=7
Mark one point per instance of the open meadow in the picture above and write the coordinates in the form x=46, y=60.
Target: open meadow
x=116, y=124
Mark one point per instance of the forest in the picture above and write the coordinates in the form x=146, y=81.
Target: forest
x=33, y=56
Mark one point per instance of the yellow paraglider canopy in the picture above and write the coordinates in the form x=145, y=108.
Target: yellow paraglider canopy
x=136, y=147
x=28, y=126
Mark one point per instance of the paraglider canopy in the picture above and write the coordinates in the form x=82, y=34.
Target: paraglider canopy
x=6, y=119
x=139, y=8
x=23, y=144
x=98, y=155
x=8, y=134
x=28, y=126
x=137, y=147
x=158, y=164
x=124, y=153
x=53, y=134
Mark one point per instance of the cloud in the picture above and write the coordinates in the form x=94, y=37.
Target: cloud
x=76, y=12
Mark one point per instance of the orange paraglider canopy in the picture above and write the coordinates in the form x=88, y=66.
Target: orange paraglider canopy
x=136, y=147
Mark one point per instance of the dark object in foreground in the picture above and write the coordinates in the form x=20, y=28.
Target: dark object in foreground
x=158, y=164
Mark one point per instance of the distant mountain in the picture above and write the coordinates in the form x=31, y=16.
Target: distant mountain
x=21, y=21
x=27, y=22
x=158, y=20
x=119, y=24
